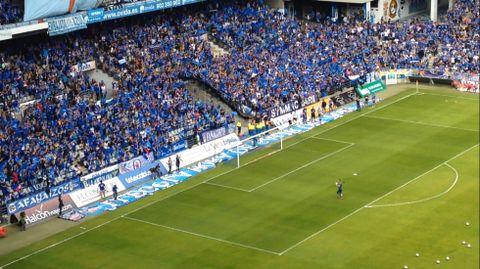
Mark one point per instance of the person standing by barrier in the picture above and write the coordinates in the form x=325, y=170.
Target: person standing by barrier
x=251, y=128
x=102, y=189
x=170, y=164
x=115, y=192
x=60, y=206
x=22, y=222
x=239, y=128
x=258, y=127
x=177, y=162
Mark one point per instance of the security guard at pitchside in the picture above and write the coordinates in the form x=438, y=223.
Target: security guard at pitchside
x=239, y=128
x=258, y=126
x=251, y=128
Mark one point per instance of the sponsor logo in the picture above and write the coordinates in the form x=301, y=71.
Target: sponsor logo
x=92, y=193
x=135, y=163
x=46, y=210
x=40, y=197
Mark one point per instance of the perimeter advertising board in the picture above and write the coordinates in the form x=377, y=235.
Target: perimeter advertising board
x=371, y=88
x=46, y=209
x=91, y=193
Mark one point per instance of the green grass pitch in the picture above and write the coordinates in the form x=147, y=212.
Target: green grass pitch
x=416, y=157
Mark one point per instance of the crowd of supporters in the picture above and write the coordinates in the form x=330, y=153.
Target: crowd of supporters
x=10, y=12
x=272, y=59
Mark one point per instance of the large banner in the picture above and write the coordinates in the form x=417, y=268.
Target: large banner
x=172, y=149
x=203, y=151
x=135, y=163
x=291, y=106
x=84, y=67
x=138, y=176
x=100, y=14
x=101, y=175
x=344, y=98
x=283, y=121
x=91, y=194
x=46, y=209
x=35, y=199
x=211, y=135
x=66, y=24
x=370, y=88
x=391, y=78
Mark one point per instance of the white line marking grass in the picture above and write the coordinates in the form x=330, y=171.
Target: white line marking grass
x=226, y=186
x=290, y=172
x=202, y=235
x=328, y=139
x=191, y=187
x=300, y=168
x=374, y=201
x=424, y=199
x=421, y=123
x=446, y=95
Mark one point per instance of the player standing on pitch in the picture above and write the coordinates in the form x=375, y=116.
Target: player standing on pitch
x=339, y=184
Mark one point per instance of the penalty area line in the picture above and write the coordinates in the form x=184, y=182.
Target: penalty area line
x=421, y=123
x=301, y=167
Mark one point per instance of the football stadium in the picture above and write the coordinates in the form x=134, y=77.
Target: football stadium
x=239, y=134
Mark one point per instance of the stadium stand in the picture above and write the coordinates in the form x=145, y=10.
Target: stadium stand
x=55, y=120
x=10, y=12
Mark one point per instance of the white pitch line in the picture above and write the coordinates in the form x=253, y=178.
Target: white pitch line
x=203, y=236
x=451, y=96
x=301, y=167
x=421, y=123
x=372, y=202
x=328, y=139
x=226, y=187
x=288, y=173
x=354, y=118
x=191, y=187
x=424, y=199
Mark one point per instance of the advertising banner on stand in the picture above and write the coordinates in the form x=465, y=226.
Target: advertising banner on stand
x=211, y=135
x=46, y=209
x=203, y=151
x=84, y=67
x=371, y=88
x=91, y=194
x=291, y=106
x=135, y=163
x=37, y=198
x=138, y=176
x=284, y=121
x=344, y=98
x=95, y=177
x=391, y=78
x=66, y=24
